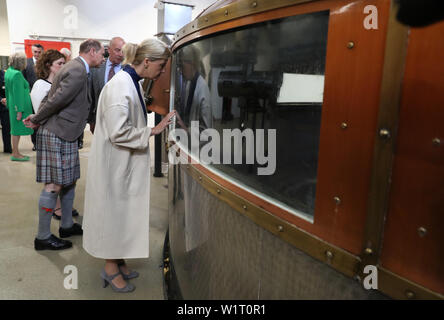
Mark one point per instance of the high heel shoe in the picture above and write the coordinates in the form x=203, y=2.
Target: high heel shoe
x=131, y=275
x=108, y=280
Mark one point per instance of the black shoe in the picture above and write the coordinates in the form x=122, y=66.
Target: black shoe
x=34, y=149
x=75, y=230
x=75, y=213
x=7, y=151
x=53, y=243
x=56, y=216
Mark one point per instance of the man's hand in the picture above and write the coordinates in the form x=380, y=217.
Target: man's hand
x=19, y=116
x=28, y=124
x=3, y=101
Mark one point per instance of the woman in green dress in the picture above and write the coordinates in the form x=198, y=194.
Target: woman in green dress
x=18, y=102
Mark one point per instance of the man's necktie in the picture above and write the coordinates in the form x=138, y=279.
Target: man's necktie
x=111, y=71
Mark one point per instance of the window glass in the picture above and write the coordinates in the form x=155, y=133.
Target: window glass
x=266, y=83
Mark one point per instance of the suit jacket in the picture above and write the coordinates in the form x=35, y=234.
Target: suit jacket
x=2, y=84
x=65, y=110
x=29, y=73
x=97, y=83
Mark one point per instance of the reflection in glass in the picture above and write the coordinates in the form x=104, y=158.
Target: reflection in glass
x=265, y=76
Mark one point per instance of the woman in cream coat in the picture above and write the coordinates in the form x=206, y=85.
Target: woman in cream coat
x=116, y=214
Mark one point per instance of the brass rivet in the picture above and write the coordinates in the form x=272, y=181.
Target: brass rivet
x=344, y=125
x=245, y=207
x=368, y=251
x=218, y=191
x=254, y=4
x=329, y=254
x=409, y=294
x=200, y=178
x=422, y=231
x=226, y=12
x=436, y=141
x=337, y=200
x=280, y=228
x=350, y=45
x=384, y=133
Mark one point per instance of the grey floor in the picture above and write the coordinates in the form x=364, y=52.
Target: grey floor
x=29, y=274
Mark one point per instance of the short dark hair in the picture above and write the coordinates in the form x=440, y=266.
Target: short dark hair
x=87, y=45
x=38, y=45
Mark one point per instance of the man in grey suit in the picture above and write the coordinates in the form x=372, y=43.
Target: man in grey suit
x=30, y=76
x=101, y=75
x=61, y=119
x=29, y=72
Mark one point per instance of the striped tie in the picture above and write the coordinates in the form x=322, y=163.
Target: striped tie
x=111, y=71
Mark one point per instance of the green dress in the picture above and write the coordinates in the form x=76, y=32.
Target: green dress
x=17, y=100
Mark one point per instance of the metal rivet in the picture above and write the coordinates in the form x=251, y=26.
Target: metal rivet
x=409, y=294
x=200, y=178
x=350, y=45
x=368, y=251
x=436, y=141
x=337, y=200
x=226, y=12
x=329, y=254
x=280, y=228
x=245, y=207
x=384, y=133
x=254, y=4
x=218, y=191
x=344, y=125
x=422, y=231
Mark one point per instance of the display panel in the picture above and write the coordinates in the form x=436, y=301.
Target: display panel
x=250, y=103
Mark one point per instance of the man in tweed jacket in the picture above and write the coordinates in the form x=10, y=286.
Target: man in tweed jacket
x=61, y=119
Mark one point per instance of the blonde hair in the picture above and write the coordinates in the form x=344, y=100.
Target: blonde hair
x=153, y=49
x=18, y=61
x=129, y=50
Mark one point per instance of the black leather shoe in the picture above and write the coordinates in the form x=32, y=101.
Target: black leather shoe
x=56, y=216
x=53, y=243
x=75, y=230
x=75, y=213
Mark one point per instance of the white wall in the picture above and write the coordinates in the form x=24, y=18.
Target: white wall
x=134, y=20
x=5, y=48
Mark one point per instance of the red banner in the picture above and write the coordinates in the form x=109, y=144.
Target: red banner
x=57, y=45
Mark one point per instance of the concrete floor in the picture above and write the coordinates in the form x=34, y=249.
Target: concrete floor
x=29, y=274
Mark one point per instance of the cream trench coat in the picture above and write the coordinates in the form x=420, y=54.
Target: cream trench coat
x=117, y=195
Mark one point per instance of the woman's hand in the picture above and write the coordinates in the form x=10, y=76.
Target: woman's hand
x=19, y=116
x=163, y=124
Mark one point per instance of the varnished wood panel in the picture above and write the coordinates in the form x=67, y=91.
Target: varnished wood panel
x=161, y=92
x=417, y=194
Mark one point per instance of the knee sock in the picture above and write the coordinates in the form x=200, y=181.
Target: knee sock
x=66, y=201
x=47, y=203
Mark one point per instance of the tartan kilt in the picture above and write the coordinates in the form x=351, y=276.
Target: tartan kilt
x=57, y=159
